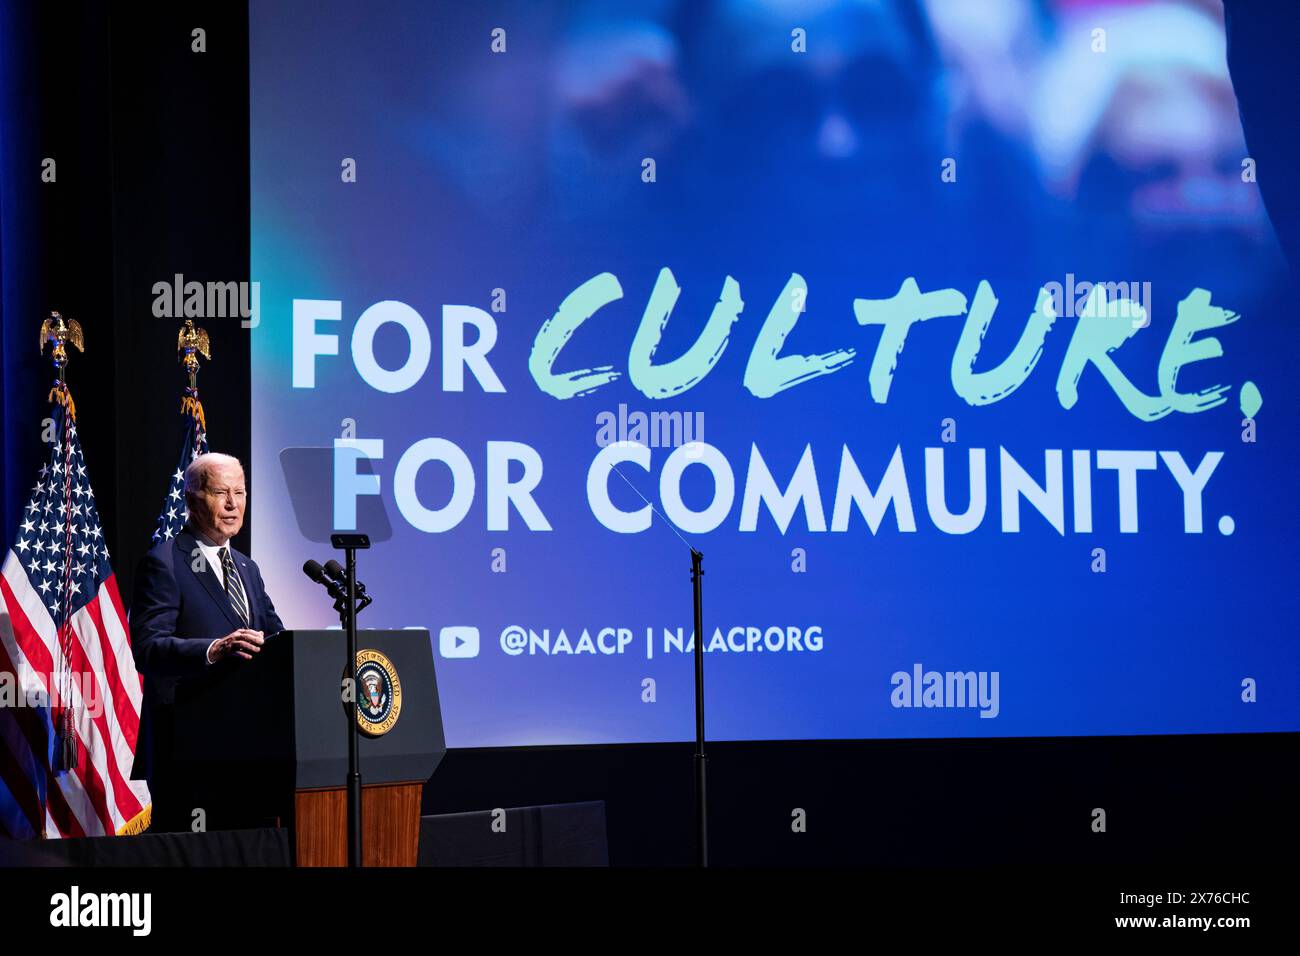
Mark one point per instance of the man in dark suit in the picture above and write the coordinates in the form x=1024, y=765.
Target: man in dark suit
x=199, y=607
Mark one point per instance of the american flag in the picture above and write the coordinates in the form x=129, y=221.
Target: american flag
x=65, y=650
x=173, y=515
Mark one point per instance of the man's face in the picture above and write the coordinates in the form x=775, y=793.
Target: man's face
x=218, y=509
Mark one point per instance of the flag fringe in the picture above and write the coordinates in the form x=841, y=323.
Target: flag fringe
x=138, y=823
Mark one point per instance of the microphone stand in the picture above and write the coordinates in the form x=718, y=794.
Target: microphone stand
x=349, y=544
x=701, y=800
x=700, y=761
x=354, y=758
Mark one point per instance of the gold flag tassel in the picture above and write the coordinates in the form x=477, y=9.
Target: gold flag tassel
x=138, y=823
x=190, y=405
x=61, y=394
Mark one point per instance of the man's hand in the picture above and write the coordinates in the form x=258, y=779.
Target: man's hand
x=243, y=642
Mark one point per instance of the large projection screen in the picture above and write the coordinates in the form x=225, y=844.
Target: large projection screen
x=959, y=344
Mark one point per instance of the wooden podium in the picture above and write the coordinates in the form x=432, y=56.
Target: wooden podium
x=291, y=746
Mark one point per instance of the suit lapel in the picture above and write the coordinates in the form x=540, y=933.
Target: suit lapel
x=190, y=554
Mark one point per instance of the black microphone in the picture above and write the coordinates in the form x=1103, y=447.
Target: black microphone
x=336, y=572
x=314, y=571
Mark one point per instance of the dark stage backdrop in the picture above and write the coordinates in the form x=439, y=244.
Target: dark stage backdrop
x=152, y=145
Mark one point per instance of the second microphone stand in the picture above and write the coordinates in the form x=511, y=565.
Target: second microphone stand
x=701, y=798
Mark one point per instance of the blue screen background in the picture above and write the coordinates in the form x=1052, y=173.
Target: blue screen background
x=522, y=170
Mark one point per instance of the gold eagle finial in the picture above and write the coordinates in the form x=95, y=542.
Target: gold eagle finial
x=55, y=328
x=60, y=331
x=190, y=340
x=191, y=337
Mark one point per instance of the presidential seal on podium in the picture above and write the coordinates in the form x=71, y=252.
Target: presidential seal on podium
x=379, y=693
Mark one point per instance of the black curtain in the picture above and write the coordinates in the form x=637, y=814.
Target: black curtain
x=149, y=137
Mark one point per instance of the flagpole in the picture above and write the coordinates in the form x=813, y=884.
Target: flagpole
x=61, y=332
x=191, y=343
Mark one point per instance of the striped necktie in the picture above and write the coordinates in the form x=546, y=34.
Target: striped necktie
x=234, y=587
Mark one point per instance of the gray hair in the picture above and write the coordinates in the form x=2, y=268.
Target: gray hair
x=196, y=473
